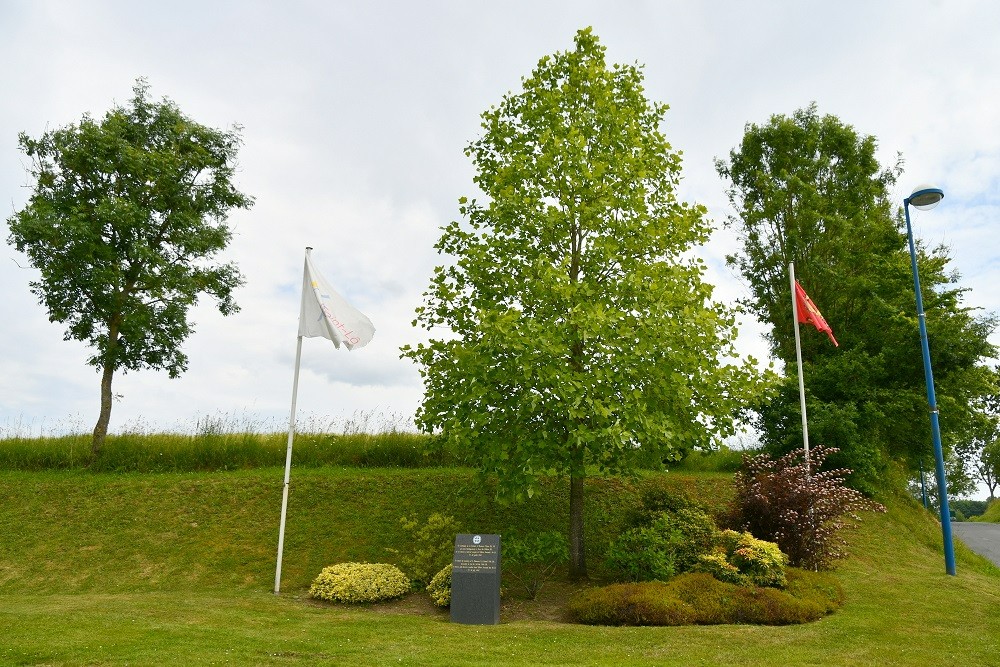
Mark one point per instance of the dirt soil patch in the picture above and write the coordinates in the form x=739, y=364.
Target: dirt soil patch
x=548, y=605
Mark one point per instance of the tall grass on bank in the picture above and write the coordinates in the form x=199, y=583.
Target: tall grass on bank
x=227, y=442
x=723, y=459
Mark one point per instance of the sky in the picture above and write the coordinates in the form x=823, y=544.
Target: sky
x=355, y=117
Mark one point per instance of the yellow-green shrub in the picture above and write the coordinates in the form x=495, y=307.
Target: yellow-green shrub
x=440, y=587
x=740, y=558
x=360, y=582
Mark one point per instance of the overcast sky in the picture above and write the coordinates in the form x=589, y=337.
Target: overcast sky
x=355, y=117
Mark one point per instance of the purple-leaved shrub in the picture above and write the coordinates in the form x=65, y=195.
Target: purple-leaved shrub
x=800, y=507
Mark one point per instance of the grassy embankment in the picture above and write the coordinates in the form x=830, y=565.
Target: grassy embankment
x=177, y=568
x=992, y=513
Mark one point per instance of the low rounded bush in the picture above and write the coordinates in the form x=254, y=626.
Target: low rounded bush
x=440, y=587
x=700, y=598
x=360, y=582
x=646, y=603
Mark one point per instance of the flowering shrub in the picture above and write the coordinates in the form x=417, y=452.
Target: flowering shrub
x=798, y=506
x=740, y=558
x=440, y=587
x=360, y=582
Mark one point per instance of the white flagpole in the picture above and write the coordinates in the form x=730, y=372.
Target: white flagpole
x=798, y=360
x=288, y=462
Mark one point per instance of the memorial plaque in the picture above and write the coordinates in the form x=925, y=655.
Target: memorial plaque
x=475, y=580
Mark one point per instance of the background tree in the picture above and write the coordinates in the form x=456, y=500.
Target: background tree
x=809, y=189
x=978, y=445
x=123, y=220
x=960, y=483
x=583, y=336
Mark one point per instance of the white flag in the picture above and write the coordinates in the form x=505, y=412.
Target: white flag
x=325, y=313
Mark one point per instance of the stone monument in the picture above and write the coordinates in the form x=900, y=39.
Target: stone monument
x=475, y=580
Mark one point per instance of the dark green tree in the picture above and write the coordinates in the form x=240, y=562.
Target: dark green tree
x=809, y=189
x=124, y=219
x=582, y=336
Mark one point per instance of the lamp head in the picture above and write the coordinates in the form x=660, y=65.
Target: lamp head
x=925, y=197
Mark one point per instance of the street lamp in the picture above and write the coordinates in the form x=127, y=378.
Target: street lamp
x=924, y=198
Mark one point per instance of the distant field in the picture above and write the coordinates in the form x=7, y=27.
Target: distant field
x=177, y=568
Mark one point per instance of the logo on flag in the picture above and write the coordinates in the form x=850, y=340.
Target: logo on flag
x=325, y=313
x=809, y=313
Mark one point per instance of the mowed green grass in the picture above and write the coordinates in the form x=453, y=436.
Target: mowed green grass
x=177, y=568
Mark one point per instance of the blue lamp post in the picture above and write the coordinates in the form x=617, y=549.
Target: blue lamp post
x=924, y=198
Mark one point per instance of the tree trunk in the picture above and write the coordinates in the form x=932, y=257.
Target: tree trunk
x=110, y=356
x=577, y=560
x=101, y=430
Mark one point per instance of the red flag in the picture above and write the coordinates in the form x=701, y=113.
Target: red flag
x=809, y=313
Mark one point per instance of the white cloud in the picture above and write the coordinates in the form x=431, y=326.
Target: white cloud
x=355, y=118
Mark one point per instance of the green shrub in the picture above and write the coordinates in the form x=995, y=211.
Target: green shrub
x=440, y=587
x=644, y=554
x=671, y=544
x=532, y=561
x=431, y=546
x=698, y=531
x=360, y=582
x=700, y=598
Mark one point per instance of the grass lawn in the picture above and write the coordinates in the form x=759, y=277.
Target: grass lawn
x=177, y=569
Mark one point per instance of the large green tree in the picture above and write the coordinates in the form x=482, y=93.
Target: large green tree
x=125, y=217
x=809, y=189
x=582, y=334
